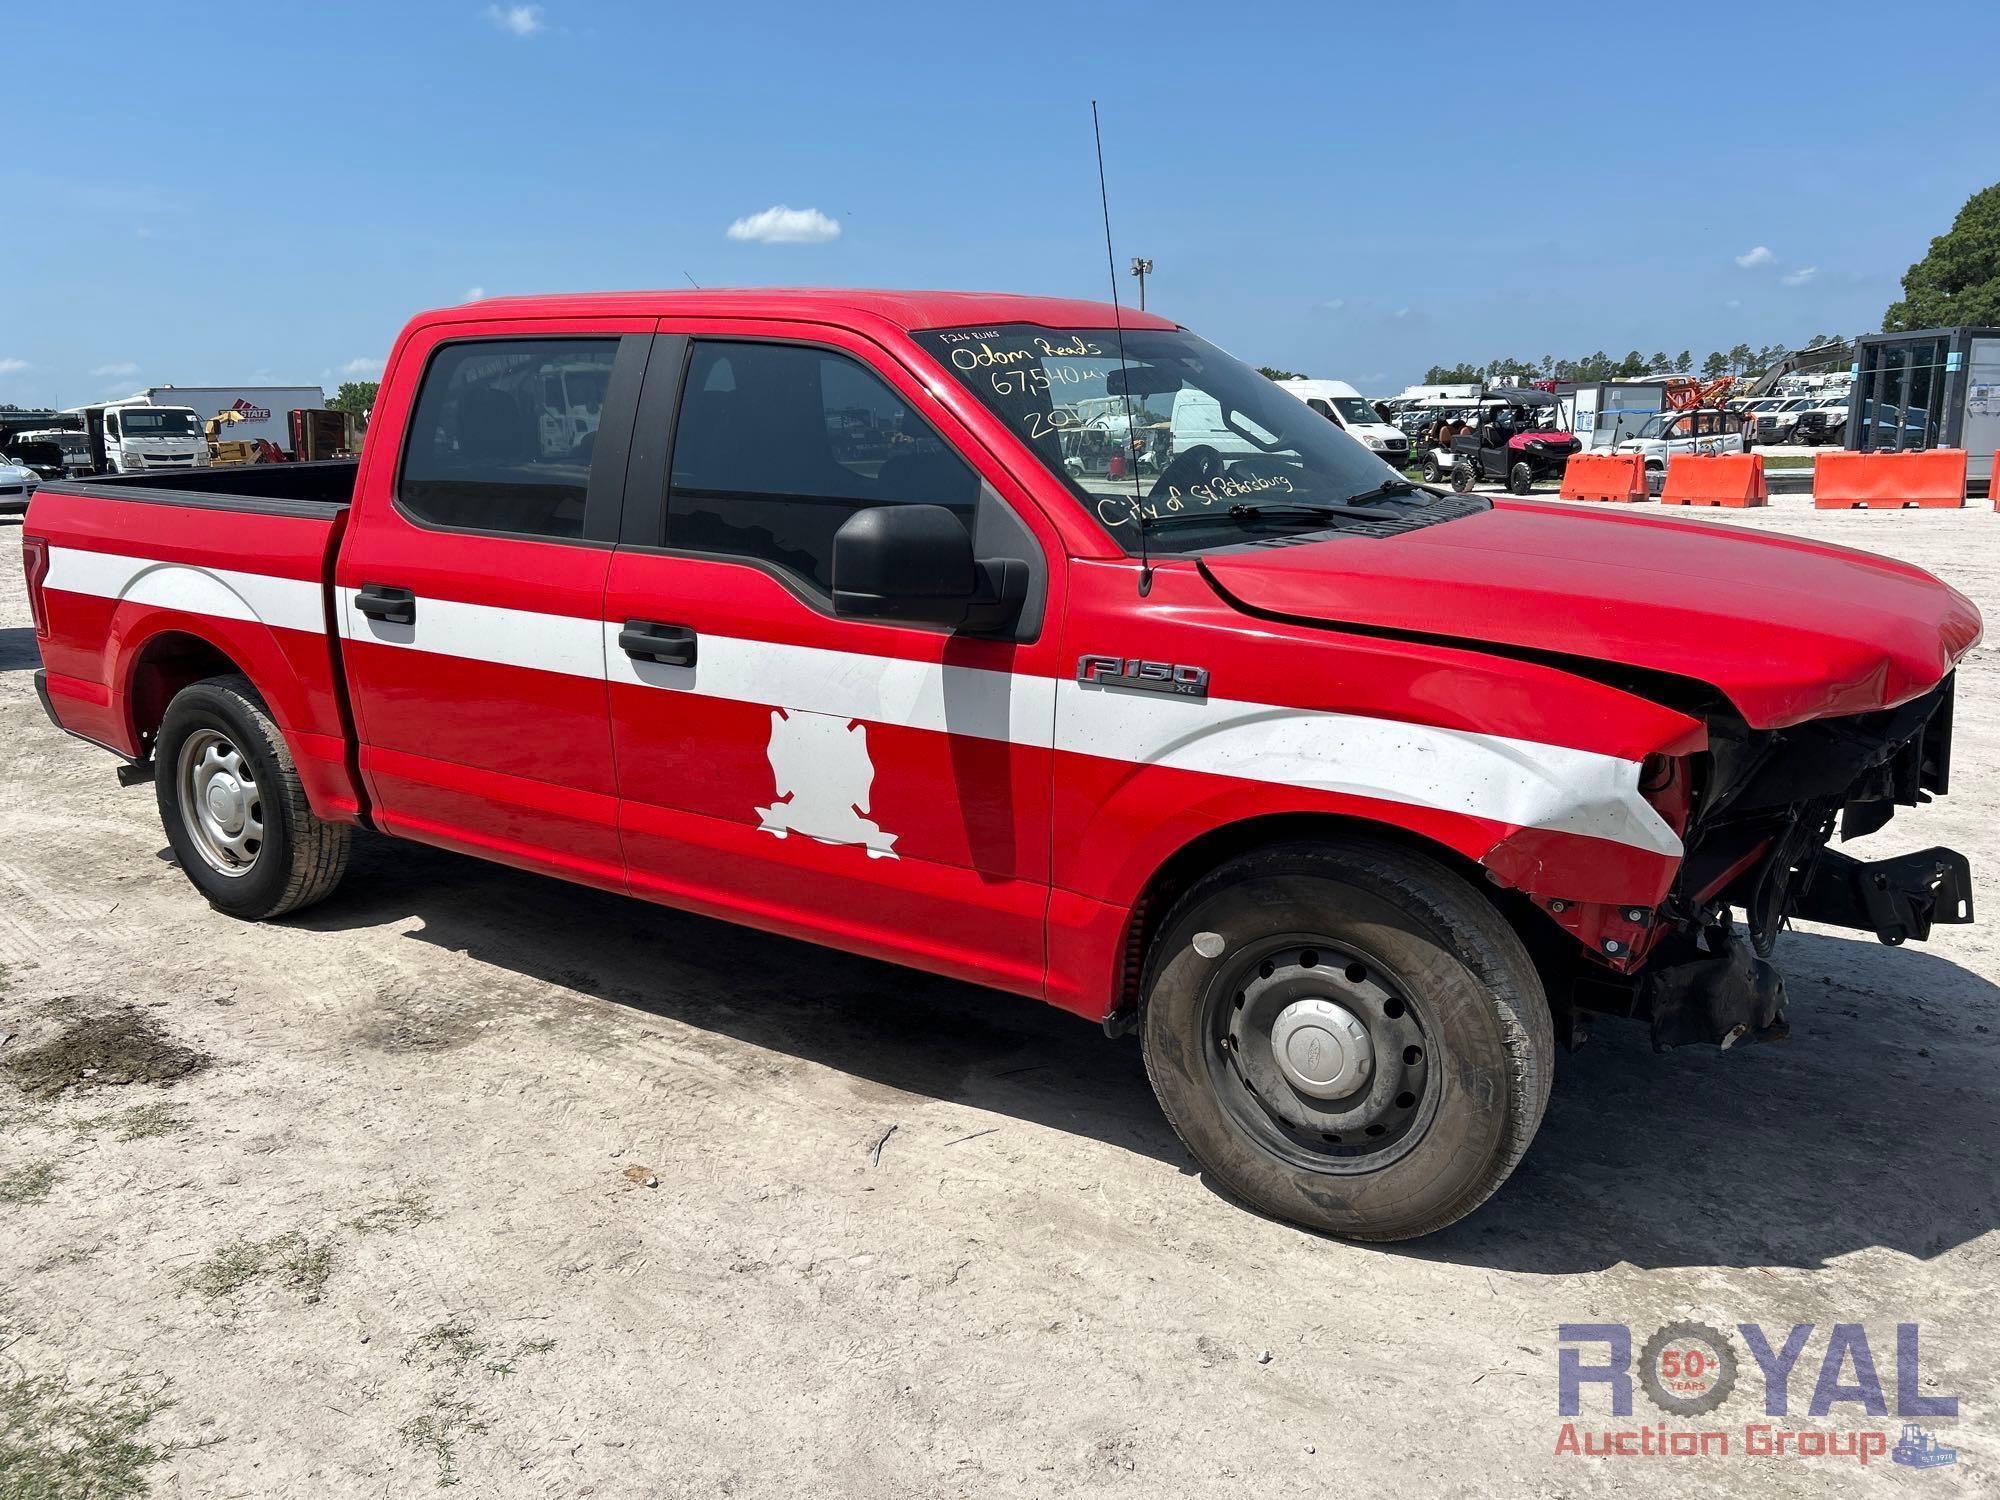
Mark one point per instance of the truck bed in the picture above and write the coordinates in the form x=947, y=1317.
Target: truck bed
x=312, y=489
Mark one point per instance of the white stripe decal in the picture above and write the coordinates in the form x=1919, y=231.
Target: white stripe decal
x=888, y=690
x=294, y=604
x=1522, y=783
x=486, y=632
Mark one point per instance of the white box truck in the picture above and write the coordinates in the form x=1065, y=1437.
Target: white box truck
x=266, y=409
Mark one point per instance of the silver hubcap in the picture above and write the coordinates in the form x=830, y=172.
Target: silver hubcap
x=220, y=804
x=1321, y=1049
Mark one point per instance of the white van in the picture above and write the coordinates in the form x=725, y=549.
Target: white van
x=1342, y=405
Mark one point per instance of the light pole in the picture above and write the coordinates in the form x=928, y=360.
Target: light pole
x=1141, y=268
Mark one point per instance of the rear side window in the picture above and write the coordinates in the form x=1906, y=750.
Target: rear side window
x=778, y=444
x=503, y=432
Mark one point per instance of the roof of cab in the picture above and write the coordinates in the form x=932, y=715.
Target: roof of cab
x=904, y=310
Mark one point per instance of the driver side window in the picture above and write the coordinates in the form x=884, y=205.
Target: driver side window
x=778, y=444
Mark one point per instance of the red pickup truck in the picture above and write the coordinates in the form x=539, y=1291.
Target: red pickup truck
x=921, y=625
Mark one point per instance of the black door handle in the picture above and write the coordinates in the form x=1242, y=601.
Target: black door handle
x=391, y=606
x=648, y=640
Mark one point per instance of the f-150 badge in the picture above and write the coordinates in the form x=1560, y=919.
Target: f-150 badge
x=824, y=782
x=1167, y=677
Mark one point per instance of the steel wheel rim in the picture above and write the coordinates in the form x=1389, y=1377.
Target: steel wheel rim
x=1362, y=1118
x=222, y=807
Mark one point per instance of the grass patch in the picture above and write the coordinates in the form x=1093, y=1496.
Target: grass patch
x=59, y=1443
x=407, y=1210
x=436, y=1430
x=1788, y=461
x=293, y=1258
x=456, y=1349
x=141, y=1124
x=29, y=1184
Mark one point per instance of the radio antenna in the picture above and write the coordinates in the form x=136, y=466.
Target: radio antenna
x=1124, y=375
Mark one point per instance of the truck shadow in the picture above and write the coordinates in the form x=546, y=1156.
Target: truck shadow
x=18, y=652
x=1874, y=1126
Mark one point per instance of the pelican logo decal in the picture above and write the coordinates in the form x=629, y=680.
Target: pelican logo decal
x=1171, y=678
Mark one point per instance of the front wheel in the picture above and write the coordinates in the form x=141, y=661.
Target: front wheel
x=1520, y=479
x=233, y=808
x=1462, y=477
x=1351, y=1039
x=1433, y=470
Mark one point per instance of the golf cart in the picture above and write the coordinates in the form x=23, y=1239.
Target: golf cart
x=1510, y=444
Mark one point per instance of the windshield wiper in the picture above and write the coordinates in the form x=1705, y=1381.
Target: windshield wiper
x=1242, y=512
x=1389, y=489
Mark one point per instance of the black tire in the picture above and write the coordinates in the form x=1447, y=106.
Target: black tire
x=1520, y=479
x=1463, y=477
x=1362, y=919
x=1433, y=470
x=298, y=859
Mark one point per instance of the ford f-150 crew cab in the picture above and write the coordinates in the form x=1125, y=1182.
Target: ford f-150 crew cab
x=1351, y=797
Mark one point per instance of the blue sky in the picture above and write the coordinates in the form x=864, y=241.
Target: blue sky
x=256, y=193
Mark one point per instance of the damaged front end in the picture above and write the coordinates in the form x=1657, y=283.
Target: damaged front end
x=1763, y=806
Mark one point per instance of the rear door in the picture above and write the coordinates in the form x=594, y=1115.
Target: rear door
x=471, y=586
x=883, y=788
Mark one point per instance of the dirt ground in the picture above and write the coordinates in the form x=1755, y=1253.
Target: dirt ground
x=471, y=1177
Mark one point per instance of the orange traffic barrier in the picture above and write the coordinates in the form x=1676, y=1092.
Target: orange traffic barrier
x=1928, y=478
x=1732, y=479
x=1993, y=482
x=1605, y=476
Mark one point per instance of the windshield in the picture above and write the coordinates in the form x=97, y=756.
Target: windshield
x=155, y=421
x=1205, y=433
x=1655, y=426
x=1354, y=409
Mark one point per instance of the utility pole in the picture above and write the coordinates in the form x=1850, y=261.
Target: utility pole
x=1142, y=269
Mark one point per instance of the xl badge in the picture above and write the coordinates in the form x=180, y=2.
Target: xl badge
x=1143, y=676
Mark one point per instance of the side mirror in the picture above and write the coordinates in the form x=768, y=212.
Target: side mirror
x=914, y=563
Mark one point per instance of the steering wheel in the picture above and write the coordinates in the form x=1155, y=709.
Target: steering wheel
x=1198, y=465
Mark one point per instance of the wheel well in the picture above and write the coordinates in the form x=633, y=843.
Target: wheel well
x=1219, y=845
x=167, y=663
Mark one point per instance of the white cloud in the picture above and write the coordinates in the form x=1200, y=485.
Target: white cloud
x=12, y=366
x=1799, y=277
x=516, y=20
x=786, y=226
x=122, y=369
x=1401, y=312
x=1733, y=303
x=1334, y=304
x=362, y=369
x=1756, y=255
x=144, y=232
x=474, y=293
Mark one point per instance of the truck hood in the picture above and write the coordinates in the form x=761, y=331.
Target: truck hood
x=1786, y=629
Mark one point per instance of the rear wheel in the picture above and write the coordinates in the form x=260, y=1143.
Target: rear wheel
x=1520, y=479
x=1351, y=1039
x=233, y=808
x=1433, y=470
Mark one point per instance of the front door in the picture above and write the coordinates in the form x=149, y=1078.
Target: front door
x=883, y=788
x=470, y=592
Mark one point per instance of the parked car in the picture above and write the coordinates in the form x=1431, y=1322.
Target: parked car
x=65, y=453
x=1351, y=798
x=1703, y=430
x=1825, y=421
x=18, y=483
x=1779, y=423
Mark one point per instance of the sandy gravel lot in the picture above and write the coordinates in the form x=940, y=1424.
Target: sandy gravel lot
x=470, y=1177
